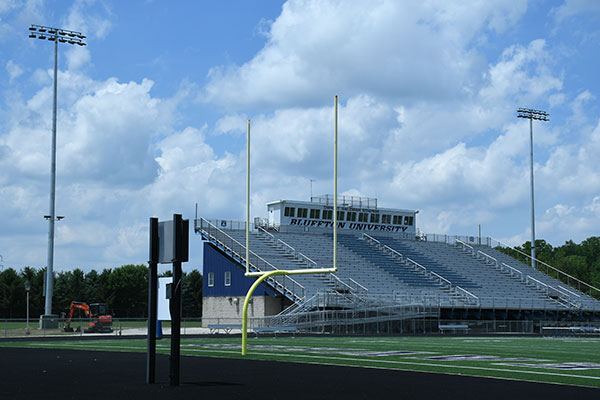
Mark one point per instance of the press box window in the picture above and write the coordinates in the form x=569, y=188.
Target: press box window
x=211, y=279
x=227, y=278
x=302, y=212
x=340, y=216
x=374, y=218
x=397, y=219
x=351, y=216
x=408, y=221
x=315, y=214
x=289, y=211
x=363, y=217
x=327, y=214
x=386, y=219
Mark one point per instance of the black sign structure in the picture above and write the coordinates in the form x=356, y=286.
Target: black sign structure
x=169, y=244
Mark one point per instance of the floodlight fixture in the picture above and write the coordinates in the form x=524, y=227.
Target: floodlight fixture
x=56, y=35
x=533, y=114
x=539, y=115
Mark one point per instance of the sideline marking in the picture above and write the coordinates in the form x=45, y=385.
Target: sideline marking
x=380, y=361
x=365, y=360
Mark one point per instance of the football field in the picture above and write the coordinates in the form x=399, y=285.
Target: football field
x=571, y=361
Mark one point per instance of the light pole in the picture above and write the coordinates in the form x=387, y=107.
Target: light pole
x=55, y=35
x=541, y=116
x=27, y=289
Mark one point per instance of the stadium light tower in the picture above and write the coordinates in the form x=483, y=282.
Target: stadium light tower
x=56, y=35
x=540, y=116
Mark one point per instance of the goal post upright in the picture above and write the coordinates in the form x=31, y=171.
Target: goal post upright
x=262, y=275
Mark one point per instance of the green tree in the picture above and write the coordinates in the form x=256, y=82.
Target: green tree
x=36, y=298
x=12, y=294
x=192, y=294
x=127, y=291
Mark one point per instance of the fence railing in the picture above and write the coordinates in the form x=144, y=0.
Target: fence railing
x=452, y=239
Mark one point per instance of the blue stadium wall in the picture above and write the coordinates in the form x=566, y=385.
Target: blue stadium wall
x=218, y=263
x=223, y=304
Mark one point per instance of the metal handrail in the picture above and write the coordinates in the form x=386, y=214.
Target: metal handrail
x=287, y=245
x=466, y=246
x=266, y=263
x=485, y=255
x=513, y=269
x=417, y=264
x=467, y=292
x=261, y=229
x=386, y=247
x=358, y=284
x=558, y=271
x=568, y=296
x=371, y=238
x=336, y=278
x=529, y=277
x=567, y=290
x=307, y=259
x=441, y=278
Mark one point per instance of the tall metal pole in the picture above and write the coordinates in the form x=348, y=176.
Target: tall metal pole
x=52, y=219
x=63, y=36
x=248, y=199
x=532, y=190
x=27, y=331
x=541, y=116
x=335, y=182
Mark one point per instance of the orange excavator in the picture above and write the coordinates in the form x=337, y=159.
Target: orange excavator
x=100, y=321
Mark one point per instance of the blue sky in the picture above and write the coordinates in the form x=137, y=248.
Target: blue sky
x=151, y=116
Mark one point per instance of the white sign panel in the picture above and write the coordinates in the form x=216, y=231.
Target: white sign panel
x=163, y=303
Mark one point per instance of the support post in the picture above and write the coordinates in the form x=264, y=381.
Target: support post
x=152, y=301
x=175, y=308
x=180, y=253
x=247, y=301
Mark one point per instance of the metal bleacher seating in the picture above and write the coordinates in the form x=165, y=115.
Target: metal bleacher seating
x=375, y=275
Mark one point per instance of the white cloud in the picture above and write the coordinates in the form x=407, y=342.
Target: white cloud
x=572, y=8
x=14, y=70
x=521, y=73
x=401, y=50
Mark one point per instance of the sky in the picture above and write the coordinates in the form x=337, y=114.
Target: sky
x=152, y=117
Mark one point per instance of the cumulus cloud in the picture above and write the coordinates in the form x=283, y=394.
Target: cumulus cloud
x=401, y=50
x=14, y=70
x=571, y=8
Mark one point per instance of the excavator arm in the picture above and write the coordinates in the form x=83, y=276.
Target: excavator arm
x=76, y=305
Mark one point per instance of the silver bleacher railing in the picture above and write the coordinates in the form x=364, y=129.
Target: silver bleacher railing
x=452, y=239
x=465, y=247
x=549, y=270
x=283, y=283
x=553, y=292
x=512, y=271
x=464, y=294
x=468, y=295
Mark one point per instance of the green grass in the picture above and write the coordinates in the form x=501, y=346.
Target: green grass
x=357, y=351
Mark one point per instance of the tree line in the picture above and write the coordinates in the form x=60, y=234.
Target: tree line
x=123, y=289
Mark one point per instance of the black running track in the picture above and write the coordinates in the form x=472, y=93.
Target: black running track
x=84, y=375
